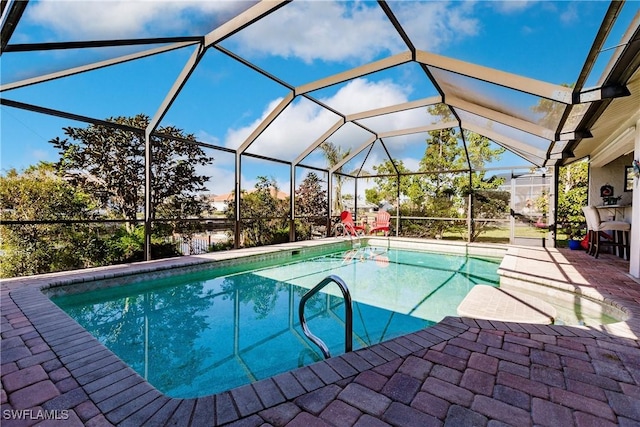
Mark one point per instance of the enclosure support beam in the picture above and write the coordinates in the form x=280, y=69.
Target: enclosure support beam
x=329, y=202
x=470, y=217
x=178, y=84
x=13, y=15
x=533, y=154
x=470, y=205
x=425, y=102
x=505, y=119
x=318, y=142
x=552, y=217
x=501, y=78
x=147, y=197
x=363, y=70
x=355, y=152
x=355, y=199
x=284, y=103
x=93, y=66
x=512, y=209
x=246, y=18
x=398, y=205
x=292, y=204
x=419, y=129
x=236, y=197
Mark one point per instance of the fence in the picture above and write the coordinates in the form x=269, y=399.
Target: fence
x=199, y=244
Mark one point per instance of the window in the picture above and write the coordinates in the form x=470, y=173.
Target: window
x=628, y=178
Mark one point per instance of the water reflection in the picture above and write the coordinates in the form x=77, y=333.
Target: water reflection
x=196, y=334
x=134, y=327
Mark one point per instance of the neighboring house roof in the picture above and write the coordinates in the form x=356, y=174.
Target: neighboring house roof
x=280, y=195
x=349, y=204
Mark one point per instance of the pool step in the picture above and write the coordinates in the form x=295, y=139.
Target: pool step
x=491, y=303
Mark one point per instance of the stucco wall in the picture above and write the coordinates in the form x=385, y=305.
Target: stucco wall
x=612, y=174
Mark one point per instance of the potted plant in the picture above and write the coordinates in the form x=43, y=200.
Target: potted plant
x=575, y=234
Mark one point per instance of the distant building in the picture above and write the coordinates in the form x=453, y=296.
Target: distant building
x=363, y=206
x=221, y=201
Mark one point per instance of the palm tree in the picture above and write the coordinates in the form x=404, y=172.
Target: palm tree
x=334, y=155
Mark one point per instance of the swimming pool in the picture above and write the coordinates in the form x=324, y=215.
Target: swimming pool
x=205, y=332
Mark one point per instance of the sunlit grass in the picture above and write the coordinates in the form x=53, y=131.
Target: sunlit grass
x=502, y=235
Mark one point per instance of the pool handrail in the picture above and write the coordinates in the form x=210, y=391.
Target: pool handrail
x=348, y=327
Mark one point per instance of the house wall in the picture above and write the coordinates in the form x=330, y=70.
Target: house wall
x=612, y=174
x=634, y=261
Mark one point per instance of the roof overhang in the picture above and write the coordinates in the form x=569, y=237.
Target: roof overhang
x=611, y=122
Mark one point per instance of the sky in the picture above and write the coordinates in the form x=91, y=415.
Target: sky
x=224, y=101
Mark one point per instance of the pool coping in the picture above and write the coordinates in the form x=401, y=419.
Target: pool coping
x=125, y=397
x=547, y=269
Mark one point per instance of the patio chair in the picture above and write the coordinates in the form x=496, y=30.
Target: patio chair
x=541, y=223
x=350, y=227
x=381, y=223
x=598, y=228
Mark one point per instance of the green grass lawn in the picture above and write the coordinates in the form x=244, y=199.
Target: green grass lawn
x=502, y=234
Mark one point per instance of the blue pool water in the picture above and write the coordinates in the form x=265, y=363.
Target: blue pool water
x=202, y=333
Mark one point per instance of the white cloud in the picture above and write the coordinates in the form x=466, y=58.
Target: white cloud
x=411, y=163
x=309, y=30
x=526, y=30
x=434, y=25
x=221, y=179
x=512, y=6
x=235, y=137
x=294, y=129
x=331, y=31
x=362, y=94
x=39, y=154
x=206, y=137
x=303, y=122
x=124, y=18
x=570, y=15
x=360, y=31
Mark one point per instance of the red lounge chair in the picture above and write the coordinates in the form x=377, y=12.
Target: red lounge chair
x=540, y=223
x=349, y=226
x=381, y=223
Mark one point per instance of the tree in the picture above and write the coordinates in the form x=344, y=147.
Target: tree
x=311, y=205
x=443, y=153
x=448, y=172
x=334, y=155
x=387, y=186
x=480, y=153
x=573, y=186
x=488, y=202
x=550, y=112
x=372, y=195
x=109, y=163
x=488, y=205
x=39, y=193
x=264, y=215
x=311, y=197
x=446, y=192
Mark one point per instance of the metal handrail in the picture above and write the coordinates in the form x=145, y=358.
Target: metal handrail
x=348, y=327
x=353, y=233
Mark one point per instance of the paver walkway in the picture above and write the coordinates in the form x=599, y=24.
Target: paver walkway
x=462, y=372
x=491, y=303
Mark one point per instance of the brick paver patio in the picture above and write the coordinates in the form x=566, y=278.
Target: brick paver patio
x=462, y=372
